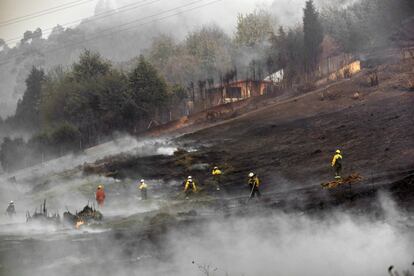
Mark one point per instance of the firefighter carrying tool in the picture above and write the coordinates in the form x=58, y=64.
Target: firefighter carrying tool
x=190, y=186
x=216, y=173
x=254, y=183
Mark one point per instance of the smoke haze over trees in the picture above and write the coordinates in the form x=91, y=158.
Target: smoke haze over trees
x=69, y=98
x=73, y=109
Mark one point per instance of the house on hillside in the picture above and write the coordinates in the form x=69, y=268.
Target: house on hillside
x=239, y=90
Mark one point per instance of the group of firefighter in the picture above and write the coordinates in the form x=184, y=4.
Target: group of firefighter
x=190, y=185
x=253, y=182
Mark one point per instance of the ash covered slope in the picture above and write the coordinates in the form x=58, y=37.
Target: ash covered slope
x=261, y=241
x=294, y=140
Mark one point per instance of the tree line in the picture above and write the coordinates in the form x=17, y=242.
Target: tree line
x=68, y=109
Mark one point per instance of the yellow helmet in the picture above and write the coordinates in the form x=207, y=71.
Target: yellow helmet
x=100, y=187
x=338, y=151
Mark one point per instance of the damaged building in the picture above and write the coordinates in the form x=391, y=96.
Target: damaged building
x=239, y=90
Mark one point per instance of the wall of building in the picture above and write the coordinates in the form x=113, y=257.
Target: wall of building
x=247, y=89
x=345, y=72
x=333, y=64
x=237, y=91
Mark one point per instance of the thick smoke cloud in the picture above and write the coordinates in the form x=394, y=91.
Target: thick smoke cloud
x=271, y=244
x=293, y=244
x=263, y=242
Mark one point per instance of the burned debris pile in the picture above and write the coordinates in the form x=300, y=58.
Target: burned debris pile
x=43, y=216
x=86, y=216
x=349, y=180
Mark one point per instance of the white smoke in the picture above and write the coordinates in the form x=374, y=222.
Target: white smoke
x=291, y=244
x=261, y=243
x=290, y=12
x=126, y=144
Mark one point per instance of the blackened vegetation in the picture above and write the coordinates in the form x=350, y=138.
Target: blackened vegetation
x=168, y=168
x=70, y=110
x=43, y=216
x=87, y=215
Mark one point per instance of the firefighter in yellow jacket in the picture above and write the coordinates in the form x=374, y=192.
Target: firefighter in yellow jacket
x=254, y=183
x=337, y=164
x=189, y=186
x=216, y=173
x=143, y=187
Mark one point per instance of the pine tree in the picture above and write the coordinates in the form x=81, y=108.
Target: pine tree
x=281, y=41
x=313, y=36
x=91, y=65
x=12, y=153
x=147, y=88
x=27, y=112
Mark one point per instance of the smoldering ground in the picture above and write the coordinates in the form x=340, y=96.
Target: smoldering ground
x=259, y=242
x=164, y=236
x=295, y=244
x=124, y=144
x=65, y=187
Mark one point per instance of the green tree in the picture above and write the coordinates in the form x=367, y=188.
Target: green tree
x=281, y=42
x=12, y=154
x=27, y=111
x=65, y=137
x=76, y=96
x=178, y=92
x=114, y=99
x=42, y=146
x=294, y=56
x=91, y=65
x=276, y=55
x=254, y=28
x=55, y=92
x=147, y=88
x=163, y=48
x=176, y=101
x=313, y=36
x=211, y=48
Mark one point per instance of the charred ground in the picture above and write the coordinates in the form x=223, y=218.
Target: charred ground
x=289, y=141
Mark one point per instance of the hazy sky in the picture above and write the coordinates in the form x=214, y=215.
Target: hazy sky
x=10, y=9
x=223, y=13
